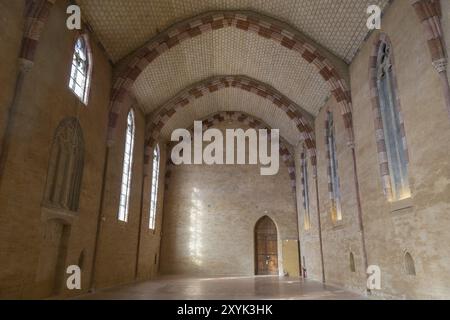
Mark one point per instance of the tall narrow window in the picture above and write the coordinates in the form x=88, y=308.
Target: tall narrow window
x=80, y=73
x=410, y=266
x=127, y=168
x=305, y=182
x=392, y=133
x=352, y=262
x=155, y=182
x=333, y=177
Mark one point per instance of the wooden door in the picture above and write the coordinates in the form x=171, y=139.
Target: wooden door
x=266, y=247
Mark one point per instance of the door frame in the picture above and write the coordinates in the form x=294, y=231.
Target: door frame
x=255, y=244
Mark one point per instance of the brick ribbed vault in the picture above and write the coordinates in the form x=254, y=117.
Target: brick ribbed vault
x=252, y=122
x=157, y=121
x=265, y=27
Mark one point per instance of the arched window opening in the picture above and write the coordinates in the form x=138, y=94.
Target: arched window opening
x=66, y=167
x=81, y=70
x=352, y=262
x=333, y=177
x=392, y=133
x=127, y=168
x=155, y=183
x=410, y=266
x=305, y=184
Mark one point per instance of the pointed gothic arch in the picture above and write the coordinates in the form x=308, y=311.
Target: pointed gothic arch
x=158, y=120
x=66, y=166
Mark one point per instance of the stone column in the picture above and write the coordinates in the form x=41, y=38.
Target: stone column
x=36, y=16
x=429, y=13
x=351, y=145
x=319, y=223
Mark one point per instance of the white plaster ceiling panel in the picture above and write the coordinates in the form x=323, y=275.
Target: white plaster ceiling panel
x=231, y=52
x=124, y=25
x=233, y=99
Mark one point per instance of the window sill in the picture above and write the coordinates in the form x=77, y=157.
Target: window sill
x=53, y=213
x=80, y=100
x=401, y=205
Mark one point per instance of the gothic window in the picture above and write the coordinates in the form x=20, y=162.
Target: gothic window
x=391, y=135
x=66, y=167
x=352, y=262
x=155, y=183
x=333, y=177
x=410, y=267
x=305, y=183
x=80, y=72
x=127, y=168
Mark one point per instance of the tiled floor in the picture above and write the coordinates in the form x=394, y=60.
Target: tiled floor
x=242, y=288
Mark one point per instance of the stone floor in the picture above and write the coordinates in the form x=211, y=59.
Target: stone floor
x=241, y=288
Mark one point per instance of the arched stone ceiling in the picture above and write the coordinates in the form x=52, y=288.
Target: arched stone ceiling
x=233, y=99
x=134, y=66
x=231, y=51
x=123, y=25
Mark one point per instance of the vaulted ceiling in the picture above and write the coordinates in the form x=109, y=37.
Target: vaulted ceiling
x=227, y=100
x=231, y=52
x=123, y=26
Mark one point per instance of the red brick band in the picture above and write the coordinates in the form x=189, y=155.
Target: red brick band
x=429, y=14
x=36, y=16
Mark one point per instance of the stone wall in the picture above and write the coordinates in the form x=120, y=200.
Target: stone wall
x=210, y=213
x=418, y=226
x=339, y=238
x=119, y=240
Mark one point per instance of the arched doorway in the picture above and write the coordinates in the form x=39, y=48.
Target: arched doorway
x=266, y=247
